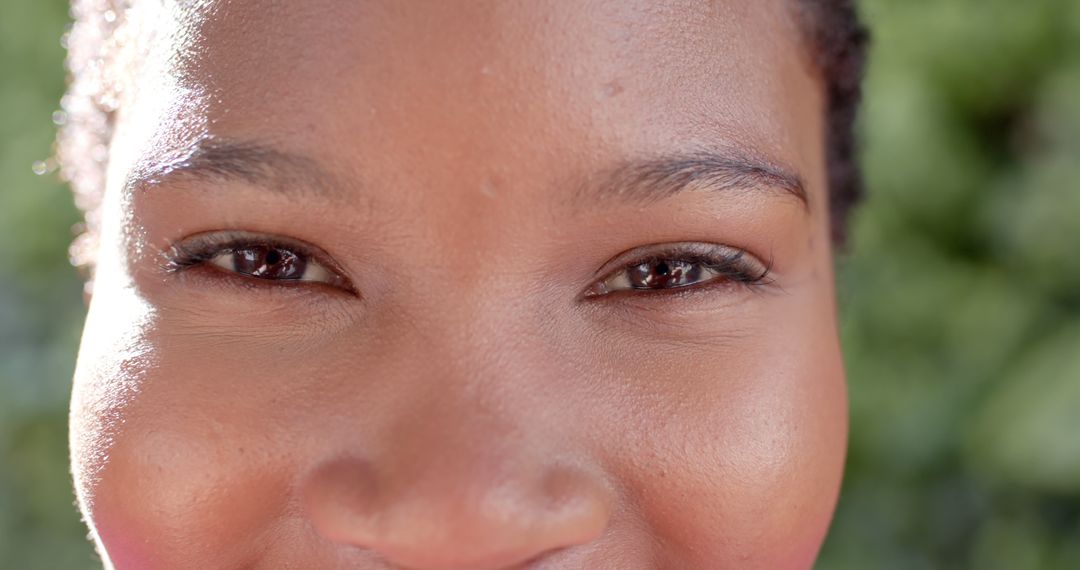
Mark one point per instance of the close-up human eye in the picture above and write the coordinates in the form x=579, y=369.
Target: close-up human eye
x=251, y=256
x=680, y=266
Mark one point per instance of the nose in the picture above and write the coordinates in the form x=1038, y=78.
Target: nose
x=457, y=498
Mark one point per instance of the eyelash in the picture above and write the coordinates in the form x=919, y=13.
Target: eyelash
x=200, y=251
x=732, y=266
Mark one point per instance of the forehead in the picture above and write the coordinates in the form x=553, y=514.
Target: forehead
x=378, y=86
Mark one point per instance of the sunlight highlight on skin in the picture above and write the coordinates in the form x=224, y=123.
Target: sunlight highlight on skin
x=447, y=396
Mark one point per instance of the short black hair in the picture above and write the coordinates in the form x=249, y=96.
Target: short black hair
x=832, y=30
x=839, y=42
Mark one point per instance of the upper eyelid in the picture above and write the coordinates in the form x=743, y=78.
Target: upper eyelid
x=672, y=250
x=226, y=238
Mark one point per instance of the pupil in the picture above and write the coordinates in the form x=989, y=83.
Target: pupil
x=662, y=268
x=273, y=257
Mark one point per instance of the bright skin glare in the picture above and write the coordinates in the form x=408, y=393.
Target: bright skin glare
x=463, y=286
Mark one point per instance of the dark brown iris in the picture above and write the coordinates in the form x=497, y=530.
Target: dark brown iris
x=664, y=274
x=268, y=262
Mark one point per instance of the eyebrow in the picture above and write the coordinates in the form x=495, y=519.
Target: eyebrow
x=262, y=166
x=651, y=179
x=641, y=181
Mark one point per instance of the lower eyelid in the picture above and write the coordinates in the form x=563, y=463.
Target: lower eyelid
x=714, y=298
x=225, y=280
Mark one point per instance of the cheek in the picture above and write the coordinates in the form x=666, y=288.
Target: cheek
x=170, y=469
x=181, y=497
x=729, y=448
x=741, y=467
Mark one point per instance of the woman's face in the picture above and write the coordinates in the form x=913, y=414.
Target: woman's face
x=463, y=285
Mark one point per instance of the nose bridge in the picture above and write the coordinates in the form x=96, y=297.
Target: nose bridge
x=476, y=424
x=465, y=466
x=459, y=437
x=481, y=372
x=482, y=334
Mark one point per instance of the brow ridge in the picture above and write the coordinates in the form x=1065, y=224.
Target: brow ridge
x=253, y=163
x=643, y=180
x=651, y=179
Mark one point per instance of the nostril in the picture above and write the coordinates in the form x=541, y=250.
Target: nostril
x=500, y=529
x=451, y=520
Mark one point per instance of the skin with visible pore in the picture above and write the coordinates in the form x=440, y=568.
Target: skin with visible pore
x=463, y=285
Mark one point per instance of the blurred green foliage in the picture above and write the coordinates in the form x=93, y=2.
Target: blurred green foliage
x=961, y=296
x=41, y=306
